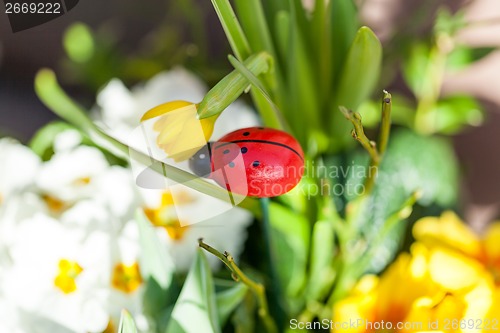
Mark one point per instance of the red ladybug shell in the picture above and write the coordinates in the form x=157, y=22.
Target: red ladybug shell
x=257, y=161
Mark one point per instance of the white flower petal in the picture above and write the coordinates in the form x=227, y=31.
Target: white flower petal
x=18, y=167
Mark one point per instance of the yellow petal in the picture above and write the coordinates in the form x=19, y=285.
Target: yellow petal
x=164, y=108
x=447, y=231
x=435, y=313
x=492, y=244
x=453, y=271
x=358, y=308
x=180, y=132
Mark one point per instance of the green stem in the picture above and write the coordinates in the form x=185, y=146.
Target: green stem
x=232, y=86
x=429, y=92
x=358, y=133
x=385, y=127
x=383, y=139
x=269, y=112
x=257, y=288
x=276, y=290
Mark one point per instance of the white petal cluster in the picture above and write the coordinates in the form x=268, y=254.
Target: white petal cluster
x=63, y=233
x=69, y=244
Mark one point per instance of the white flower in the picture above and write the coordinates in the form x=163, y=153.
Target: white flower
x=217, y=222
x=73, y=277
x=68, y=244
x=18, y=168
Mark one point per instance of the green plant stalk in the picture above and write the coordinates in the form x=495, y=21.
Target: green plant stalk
x=253, y=20
x=232, y=86
x=252, y=17
x=358, y=133
x=271, y=115
x=385, y=126
x=383, y=139
x=232, y=28
x=276, y=290
x=52, y=95
x=257, y=288
x=428, y=96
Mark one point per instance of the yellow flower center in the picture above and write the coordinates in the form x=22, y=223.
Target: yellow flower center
x=126, y=278
x=82, y=181
x=165, y=216
x=68, y=272
x=110, y=328
x=54, y=204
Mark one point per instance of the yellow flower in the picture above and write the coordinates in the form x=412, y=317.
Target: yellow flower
x=180, y=132
x=421, y=291
x=450, y=232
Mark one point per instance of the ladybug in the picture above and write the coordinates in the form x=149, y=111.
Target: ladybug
x=254, y=161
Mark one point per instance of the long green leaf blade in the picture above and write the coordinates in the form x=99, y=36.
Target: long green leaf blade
x=155, y=262
x=127, y=324
x=196, y=309
x=229, y=299
x=359, y=76
x=232, y=28
x=272, y=118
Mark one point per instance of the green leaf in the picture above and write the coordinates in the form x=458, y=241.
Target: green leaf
x=463, y=56
x=155, y=261
x=79, y=43
x=253, y=20
x=127, y=324
x=453, y=113
x=228, y=300
x=344, y=24
x=321, y=274
x=196, y=309
x=448, y=23
x=230, y=87
x=42, y=141
x=361, y=69
x=282, y=32
x=302, y=110
x=415, y=65
x=359, y=76
x=424, y=163
x=290, y=235
x=271, y=116
x=232, y=28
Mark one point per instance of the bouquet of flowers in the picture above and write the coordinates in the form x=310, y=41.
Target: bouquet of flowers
x=319, y=202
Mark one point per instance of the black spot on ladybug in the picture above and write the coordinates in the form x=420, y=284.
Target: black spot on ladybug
x=246, y=133
x=226, y=151
x=244, y=150
x=255, y=163
x=231, y=164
